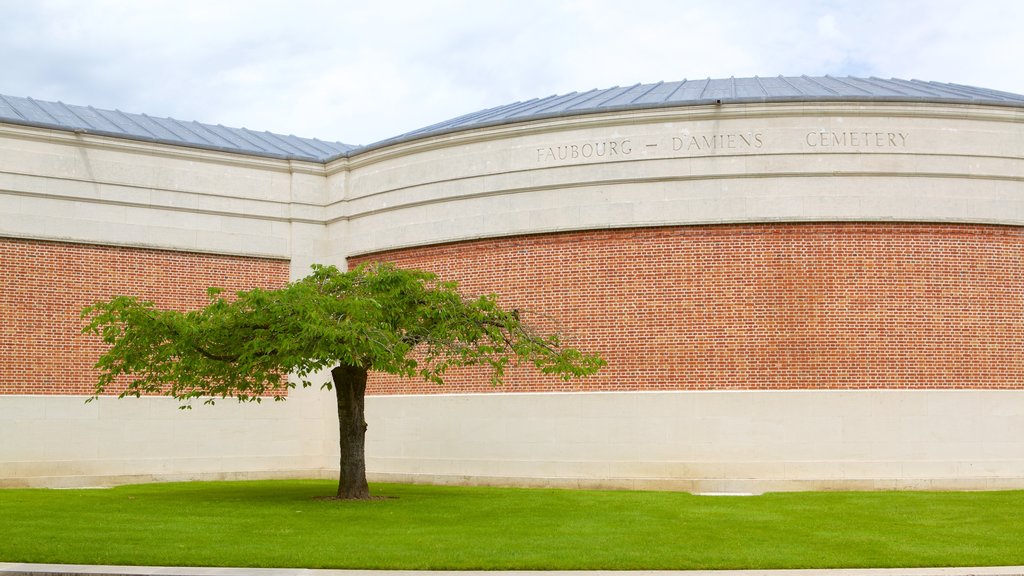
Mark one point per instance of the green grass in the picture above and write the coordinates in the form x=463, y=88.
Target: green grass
x=281, y=524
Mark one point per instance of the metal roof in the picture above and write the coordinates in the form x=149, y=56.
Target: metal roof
x=89, y=120
x=115, y=123
x=717, y=91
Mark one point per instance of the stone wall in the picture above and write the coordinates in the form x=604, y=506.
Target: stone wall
x=764, y=278
x=84, y=217
x=758, y=306
x=46, y=285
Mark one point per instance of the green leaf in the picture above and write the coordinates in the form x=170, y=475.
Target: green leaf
x=376, y=316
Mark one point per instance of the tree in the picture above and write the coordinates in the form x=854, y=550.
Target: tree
x=376, y=317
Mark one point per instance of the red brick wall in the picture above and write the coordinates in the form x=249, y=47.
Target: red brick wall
x=44, y=285
x=757, y=306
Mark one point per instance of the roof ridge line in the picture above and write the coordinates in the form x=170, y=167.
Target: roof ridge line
x=645, y=92
x=14, y=108
x=129, y=118
x=639, y=96
x=76, y=115
x=705, y=88
x=184, y=127
x=616, y=92
x=676, y=89
x=813, y=81
x=281, y=139
x=56, y=120
x=760, y=85
x=847, y=83
x=564, y=98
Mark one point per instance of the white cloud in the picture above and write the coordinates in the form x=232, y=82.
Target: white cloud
x=364, y=71
x=827, y=28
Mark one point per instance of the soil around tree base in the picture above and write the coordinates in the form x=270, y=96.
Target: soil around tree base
x=371, y=498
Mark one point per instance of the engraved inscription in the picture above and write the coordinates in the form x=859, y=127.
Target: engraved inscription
x=823, y=139
x=587, y=150
x=729, y=141
x=685, y=143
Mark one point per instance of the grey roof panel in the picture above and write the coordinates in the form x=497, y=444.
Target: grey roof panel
x=727, y=90
x=549, y=104
x=175, y=130
x=777, y=87
x=584, y=100
x=26, y=111
x=606, y=97
x=7, y=109
x=968, y=91
x=61, y=116
x=846, y=87
x=280, y=143
x=187, y=132
x=691, y=91
x=29, y=110
x=312, y=145
x=227, y=134
x=124, y=123
x=908, y=89
x=207, y=133
x=631, y=95
x=660, y=93
x=151, y=126
x=505, y=111
x=719, y=89
x=270, y=142
x=810, y=88
x=93, y=117
x=479, y=117
x=748, y=88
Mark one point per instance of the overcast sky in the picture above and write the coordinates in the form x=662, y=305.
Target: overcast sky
x=363, y=71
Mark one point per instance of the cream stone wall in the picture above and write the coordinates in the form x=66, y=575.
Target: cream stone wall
x=704, y=441
x=700, y=165
x=696, y=165
x=62, y=186
x=787, y=162
x=60, y=441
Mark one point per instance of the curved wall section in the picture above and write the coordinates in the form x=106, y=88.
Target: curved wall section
x=742, y=358
x=760, y=306
x=686, y=166
x=790, y=296
x=704, y=441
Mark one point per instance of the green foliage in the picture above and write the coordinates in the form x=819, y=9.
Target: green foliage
x=377, y=317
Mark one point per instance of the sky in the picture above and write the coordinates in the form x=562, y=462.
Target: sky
x=359, y=72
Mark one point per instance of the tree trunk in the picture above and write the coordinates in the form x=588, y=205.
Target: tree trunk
x=350, y=388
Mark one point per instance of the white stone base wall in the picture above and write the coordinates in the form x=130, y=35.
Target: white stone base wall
x=60, y=441
x=948, y=163
x=721, y=441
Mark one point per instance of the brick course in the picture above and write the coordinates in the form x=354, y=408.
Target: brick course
x=763, y=306
x=44, y=286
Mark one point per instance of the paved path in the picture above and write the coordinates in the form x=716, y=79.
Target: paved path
x=13, y=568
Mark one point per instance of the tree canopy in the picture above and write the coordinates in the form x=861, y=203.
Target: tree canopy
x=376, y=317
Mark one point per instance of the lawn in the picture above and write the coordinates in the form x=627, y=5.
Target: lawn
x=283, y=524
